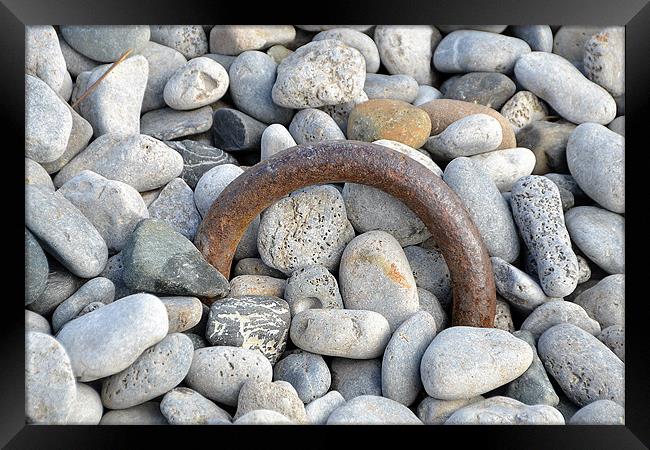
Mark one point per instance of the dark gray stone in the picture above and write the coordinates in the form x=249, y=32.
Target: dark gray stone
x=36, y=269
x=352, y=377
x=96, y=290
x=233, y=130
x=198, y=158
x=167, y=123
x=306, y=372
x=484, y=88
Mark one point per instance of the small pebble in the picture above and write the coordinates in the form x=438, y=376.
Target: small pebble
x=35, y=174
x=197, y=83
x=198, y=158
x=549, y=314
x=80, y=135
x=569, y=42
x=319, y=410
x=354, y=377
x=247, y=285
x=313, y=125
x=36, y=269
x=306, y=372
x=183, y=312
x=614, y=338
x=255, y=266
x=471, y=135
x=604, y=59
x=87, y=409
x=618, y=125
x=426, y=94
x=60, y=285
x=183, y=406
x=96, y=290
x=275, y=138
x=485, y=88
x=522, y=109
x=263, y=417
x=503, y=316
x=393, y=87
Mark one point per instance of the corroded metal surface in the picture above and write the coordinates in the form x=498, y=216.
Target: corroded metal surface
x=474, y=295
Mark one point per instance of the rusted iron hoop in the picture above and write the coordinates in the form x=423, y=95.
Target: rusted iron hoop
x=474, y=295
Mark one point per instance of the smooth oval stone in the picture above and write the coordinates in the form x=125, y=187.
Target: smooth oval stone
x=550, y=314
x=614, y=338
x=114, y=208
x=80, y=135
x=558, y=82
x=486, y=206
x=167, y=123
x=190, y=40
x=319, y=73
x=408, y=49
x=175, y=205
x=50, y=390
x=273, y=396
x=478, y=51
x=471, y=135
x=111, y=338
x=341, y=332
x=218, y=373
x=306, y=372
x=537, y=210
x=400, y=368
x=522, y=109
x=506, y=166
x=43, y=56
x=275, y=138
x=584, y=367
x=517, y=287
x=263, y=417
x=183, y=312
x=389, y=119
x=569, y=42
x=138, y=160
x=96, y=290
x=505, y=411
x=355, y=39
x=443, y=112
x=64, y=232
x=36, y=269
x=246, y=285
x=87, y=409
x=596, y=158
x=355, y=377
x=600, y=235
x=319, y=410
x=105, y=43
x=235, y=39
x=233, y=130
x=48, y=122
x=255, y=266
x=145, y=414
x=372, y=410
x=394, y=87
x=35, y=174
x=290, y=227
x=156, y=371
x=547, y=140
x=183, y=406
x=604, y=59
x=432, y=411
x=538, y=37
x=462, y=362
x=197, y=83
x=212, y=183
x=253, y=322
x=486, y=88
x=163, y=62
x=430, y=272
x=600, y=412
x=252, y=76
x=375, y=276
x=36, y=322
x=426, y=94
x=605, y=302
x=313, y=125
x=158, y=259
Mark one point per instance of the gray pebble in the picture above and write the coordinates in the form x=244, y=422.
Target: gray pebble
x=430, y=272
x=183, y=406
x=522, y=109
x=114, y=208
x=253, y=322
x=319, y=410
x=114, y=271
x=163, y=62
x=105, y=43
x=50, y=389
x=584, y=367
x=312, y=287
x=372, y=410
x=64, y=232
x=263, y=417
x=484, y=88
x=600, y=235
x=36, y=322
x=80, y=135
x=345, y=333
x=255, y=266
x=247, y=285
x=614, y=338
x=274, y=396
x=355, y=39
x=400, y=368
x=604, y=59
x=96, y=290
x=432, y=411
x=569, y=42
x=395, y=87
x=430, y=304
x=198, y=158
x=183, y=312
x=537, y=210
x=547, y=140
x=462, y=362
x=233, y=130
x=224, y=60
x=87, y=408
x=190, y=40
x=313, y=125
x=275, y=138
x=306, y=372
x=158, y=259
x=252, y=76
x=145, y=414
x=75, y=62
x=36, y=269
x=506, y=166
x=90, y=307
x=538, y=37
x=175, y=205
x=235, y=39
x=375, y=275
x=600, y=412
x=167, y=123
x=605, y=302
x=35, y=174
x=505, y=411
x=138, y=160
x=355, y=377
x=60, y=285
x=471, y=135
x=558, y=82
x=596, y=159
x=197, y=341
x=199, y=82
x=552, y=313
x=426, y=94
x=319, y=73
x=43, y=56
x=618, y=125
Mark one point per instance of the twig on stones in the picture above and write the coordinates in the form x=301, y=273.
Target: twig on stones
x=96, y=83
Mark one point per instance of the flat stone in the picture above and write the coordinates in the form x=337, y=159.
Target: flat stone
x=60, y=285
x=36, y=269
x=163, y=62
x=273, y=396
x=43, y=56
x=252, y=322
x=190, y=40
x=96, y=290
x=393, y=87
x=462, y=362
x=167, y=123
x=255, y=266
x=275, y=138
x=538, y=37
x=614, y=338
x=549, y=314
x=584, y=367
x=80, y=135
x=430, y=272
x=596, y=158
x=87, y=408
x=517, y=287
x=50, y=389
x=505, y=411
x=600, y=412
x=537, y=210
x=199, y=82
x=486, y=88
x=400, y=368
x=522, y=109
x=233, y=130
x=560, y=83
x=319, y=73
x=312, y=287
x=175, y=205
x=357, y=40
x=36, y=322
x=506, y=166
x=198, y=158
x=183, y=312
x=145, y=414
x=235, y=39
x=158, y=259
x=426, y=94
x=306, y=372
x=183, y=406
x=341, y=332
x=319, y=410
x=375, y=276
x=105, y=43
x=605, y=302
x=313, y=125
x=372, y=410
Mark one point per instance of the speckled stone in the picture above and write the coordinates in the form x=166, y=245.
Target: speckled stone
x=175, y=205
x=394, y=87
x=462, y=362
x=252, y=322
x=614, y=338
x=341, y=332
x=605, y=302
x=319, y=410
x=400, y=368
x=372, y=410
x=569, y=42
x=470, y=135
x=432, y=411
x=312, y=287
x=558, y=82
x=306, y=372
x=596, y=159
x=87, y=408
x=430, y=272
x=105, y=43
x=145, y=414
x=506, y=166
x=183, y=406
x=247, y=285
x=96, y=290
x=485, y=88
x=275, y=138
x=505, y=411
x=183, y=312
x=503, y=316
x=289, y=227
x=232, y=130
x=600, y=412
x=255, y=266
x=235, y=39
x=537, y=210
x=60, y=285
x=355, y=39
x=354, y=377
x=273, y=396
x=517, y=287
x=538, y=37
x=522, y=109
x=313, y=125
x=190, y=40
x=584, y=367
x=549, y=314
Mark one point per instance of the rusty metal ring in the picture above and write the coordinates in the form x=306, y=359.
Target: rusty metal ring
x=474, y=295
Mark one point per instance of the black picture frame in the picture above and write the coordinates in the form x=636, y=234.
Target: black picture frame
x=15, y=14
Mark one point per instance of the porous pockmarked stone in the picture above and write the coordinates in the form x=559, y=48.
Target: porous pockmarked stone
x=506, y=166
x=357, y=40
x=198, y=158
x=312, y=287
x=604, y=59
x=605, y=302
x=306, y=372
x=552, y=313
x=96, y=290
x=175, y=205
x=569, y=42
x=505, y=411
x=372, y=410
x=614, y=338
x=273, y=396
x=355, y=377
x=105, y=43
x=190, y=40
x=313, y=125
x=522, y=109
x=183, y=406
x=393, y=87
x=168, y=123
